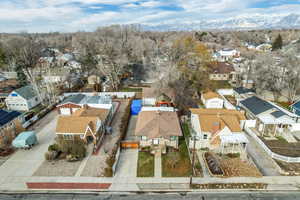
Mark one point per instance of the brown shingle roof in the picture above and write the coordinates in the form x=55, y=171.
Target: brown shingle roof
x=78, y=122
x=211, y=95
x=154, y=124
x=221, y=67
x=155, y=93
x=223, y=117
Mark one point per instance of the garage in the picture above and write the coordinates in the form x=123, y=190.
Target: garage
x=65, y=111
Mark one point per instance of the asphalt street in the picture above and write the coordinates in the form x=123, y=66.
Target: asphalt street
x=160, y=196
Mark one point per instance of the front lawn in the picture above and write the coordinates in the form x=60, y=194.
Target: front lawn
x=220, y=84
x=176, y=163
x=145, y=164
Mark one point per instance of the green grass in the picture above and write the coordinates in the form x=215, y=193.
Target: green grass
x=186, y=130
x=182, y=165
x=145, y=164
x=220, y=84
x=280, y=138
x=128, y=89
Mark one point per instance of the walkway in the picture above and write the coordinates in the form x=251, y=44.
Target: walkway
x=202, y=162
x=157, y=165
x=262, y=160
x=83, y=163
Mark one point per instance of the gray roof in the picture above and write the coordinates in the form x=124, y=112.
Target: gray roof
x=256, y=105
x=243, y=90
x=277, y=114
x=27, y=92
x=99, y=100
x=76, y=99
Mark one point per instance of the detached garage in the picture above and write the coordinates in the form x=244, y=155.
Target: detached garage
x=212, y=100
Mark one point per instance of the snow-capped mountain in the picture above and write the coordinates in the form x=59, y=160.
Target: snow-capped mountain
x=255, y=21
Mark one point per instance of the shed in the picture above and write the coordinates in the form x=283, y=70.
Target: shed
x=136, y=107
x=25, y=139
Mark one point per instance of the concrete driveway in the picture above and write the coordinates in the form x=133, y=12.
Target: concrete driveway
x=23, y=163
x=127, y=166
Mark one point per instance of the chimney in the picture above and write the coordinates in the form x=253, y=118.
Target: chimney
x=215, y=127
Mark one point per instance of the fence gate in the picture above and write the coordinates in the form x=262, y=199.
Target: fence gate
x=130, y=144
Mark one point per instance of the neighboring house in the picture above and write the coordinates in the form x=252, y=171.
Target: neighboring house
x=242, y=92
x=220, y=130
x=23, y=99
x=295, y=107
x=8, y=123
x=87, y=124
x=264, y=47
x=57, y=76
x=212, y=100
x=6, y=87
x=158, y=129
x=270, y=119
x=94, y=79
x=158, y=97
x=248, y=84
x=226, y=54
x=222, y=71
x=74, y=102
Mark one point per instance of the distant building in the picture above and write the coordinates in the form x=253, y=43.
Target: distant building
x=226, y=54
x=23, y=99
x=158, y=97
x=222, y=71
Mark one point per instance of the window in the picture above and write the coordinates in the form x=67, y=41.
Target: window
x=68, y=137
x=173, y=138
x=205, y=136
x=143, y=138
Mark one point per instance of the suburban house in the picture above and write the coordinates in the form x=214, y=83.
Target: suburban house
x=86, y=123
x=158, y=130
x=271, y=119
x=158, y=97
x=242, y=92
x=226, y=54
x=74, y=102
x=295, y=107
x=94, y=79
x=23, y=99
x=6, y=87
x=212, y=100
x=220, y=130
x=8, y=124
x=222, y=71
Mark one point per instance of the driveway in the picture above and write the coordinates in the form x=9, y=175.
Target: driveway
x=23, y=163
x=263, y=161
x=127, y=166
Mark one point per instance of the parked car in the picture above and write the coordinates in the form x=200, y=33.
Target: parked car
x=25, y=140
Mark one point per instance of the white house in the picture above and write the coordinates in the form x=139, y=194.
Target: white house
x=220, y=130
x=212, y=100
x=22, y=99
x=226, y=54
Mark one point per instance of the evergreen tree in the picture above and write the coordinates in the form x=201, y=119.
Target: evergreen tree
x=277, y=44
x=21, y=76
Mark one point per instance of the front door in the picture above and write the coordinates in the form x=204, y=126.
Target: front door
x=155, y=141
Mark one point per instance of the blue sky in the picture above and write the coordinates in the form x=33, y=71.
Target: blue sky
x=87, y=15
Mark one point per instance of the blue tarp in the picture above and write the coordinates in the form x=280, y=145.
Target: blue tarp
x=25, y=139
x=136, y=107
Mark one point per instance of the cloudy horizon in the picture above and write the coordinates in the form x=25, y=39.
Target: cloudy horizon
x=87, y=15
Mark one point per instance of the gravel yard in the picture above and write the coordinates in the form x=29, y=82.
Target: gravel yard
x=57, y=168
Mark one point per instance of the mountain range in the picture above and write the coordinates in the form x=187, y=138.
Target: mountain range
x=242, y=22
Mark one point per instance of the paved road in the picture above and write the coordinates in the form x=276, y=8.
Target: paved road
x=176, y=196
x=24, y=163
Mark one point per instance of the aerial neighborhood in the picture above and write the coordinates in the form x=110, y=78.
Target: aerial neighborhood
x=120, y=109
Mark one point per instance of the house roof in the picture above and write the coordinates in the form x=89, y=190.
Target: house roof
x=92, y=112
x=221, y=67
x=243, y=90
x=27, y=92
x=211, y=95
x=208, y=118
x=6, y=117
x=277, y=114
x=75, y=99
x=154, y=124
x=256, y=105
x=75, y=125
x=156, y=93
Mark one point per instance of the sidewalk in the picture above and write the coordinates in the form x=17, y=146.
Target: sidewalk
x=157, y=165
x=202, y=162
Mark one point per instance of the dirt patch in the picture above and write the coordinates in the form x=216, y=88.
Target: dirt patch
x=233, y=167
x=291, y=169
x=284, y=148
x=57, y=168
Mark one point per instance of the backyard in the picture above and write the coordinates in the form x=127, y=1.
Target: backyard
x=282, y=147
x=145, y=164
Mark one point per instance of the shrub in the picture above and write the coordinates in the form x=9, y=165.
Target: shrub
x=233, y=155
x=71, y=158
x=74, y=147
x=50, y=155
x=53, y=147
x=110, y=160
x=78, y=150
x=108, y=172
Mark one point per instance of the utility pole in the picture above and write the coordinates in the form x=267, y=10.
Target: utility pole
x=193, y=160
